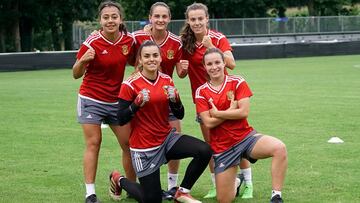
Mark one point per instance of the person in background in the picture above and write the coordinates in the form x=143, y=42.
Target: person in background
x=144, y=99
x=101, y=60
x=197, y=38
x=223, y=104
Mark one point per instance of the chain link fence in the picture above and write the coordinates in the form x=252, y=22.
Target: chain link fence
x=248, y=27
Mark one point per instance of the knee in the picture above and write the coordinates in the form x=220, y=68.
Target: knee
x=93, y=145
x=280, y=151
x=224, y=198
x=204, y=151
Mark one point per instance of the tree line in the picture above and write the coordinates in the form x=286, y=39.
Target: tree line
x=47, y=24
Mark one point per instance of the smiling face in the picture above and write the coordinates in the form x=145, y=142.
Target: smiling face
x=198, y=20
x=110, y=19
x=150, y=58
x=214, y=65
x=159, y=17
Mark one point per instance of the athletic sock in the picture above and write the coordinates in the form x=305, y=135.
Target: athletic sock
x=247, y=175
x=275, y=192
x=213, y=179
x=172, y=180
x=90, y=189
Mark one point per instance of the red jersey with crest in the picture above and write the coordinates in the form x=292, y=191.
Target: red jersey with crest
x=105, y=73
x=150, y=123
x=170, y=49
x=196, y=71
x=230, y=132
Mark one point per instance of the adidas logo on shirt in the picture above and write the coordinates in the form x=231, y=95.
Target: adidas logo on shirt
x=89, y=116
x=221, y=165
x=104, y=52
x=152, y=165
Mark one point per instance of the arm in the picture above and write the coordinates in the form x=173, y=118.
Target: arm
x=126, y=112
x=178, y=109
x=233, y=113
x=79, y=67
x=229, y=60
x=127, y=109
x=174, y=102
x=182, y=68
x=209, y=121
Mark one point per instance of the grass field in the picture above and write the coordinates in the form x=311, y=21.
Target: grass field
x=302, y=101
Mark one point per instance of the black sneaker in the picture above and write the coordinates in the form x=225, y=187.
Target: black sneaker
x=92, y=199
x=276, y=199
x=241, y=177
x=170, y=194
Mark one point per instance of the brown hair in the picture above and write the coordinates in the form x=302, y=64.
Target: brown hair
x=122, y=27
x=213, y=50
x=187, y=35
x=146, y=43
x=159, y=4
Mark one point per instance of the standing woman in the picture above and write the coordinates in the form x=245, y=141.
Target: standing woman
x=223, y=104
x=197, y=38
x=102, y=59
x=144, y=100
x=170, y=47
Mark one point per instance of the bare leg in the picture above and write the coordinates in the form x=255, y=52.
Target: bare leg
x=268, y=146
x=225, y=185
x=122, y=134
x=92, y=135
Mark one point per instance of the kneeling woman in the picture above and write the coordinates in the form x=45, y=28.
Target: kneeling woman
x=145, y=98
x=223, y=104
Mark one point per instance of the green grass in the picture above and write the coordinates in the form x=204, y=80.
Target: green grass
x=302, y=101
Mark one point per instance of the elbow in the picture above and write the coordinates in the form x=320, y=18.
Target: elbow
x=76, y=76
x=209, y=125
x=231, y=65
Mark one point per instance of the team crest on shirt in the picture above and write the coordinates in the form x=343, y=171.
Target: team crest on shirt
x=170, y=54
x=230, y=95
x=125, y=49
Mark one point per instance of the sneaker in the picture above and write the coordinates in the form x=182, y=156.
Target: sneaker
x=114, y=188
x=211, y=193
x=184, y=198
x=276, y=199
x=247, y=192
x=92, y=199
x=241, y=178
x=169, y=195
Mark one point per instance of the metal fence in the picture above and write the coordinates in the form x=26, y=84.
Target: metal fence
x=245, y=27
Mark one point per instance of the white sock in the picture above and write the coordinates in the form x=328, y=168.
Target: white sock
x=213, y=179
x=90, y=189
x=247, y=175
x=184, y=190
x=275, y=192
x=172, y=180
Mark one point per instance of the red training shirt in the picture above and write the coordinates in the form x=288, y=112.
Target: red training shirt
x=105, y=72
x=197, y=73
x=170, y=49
x=150, y=123
x=230, y=132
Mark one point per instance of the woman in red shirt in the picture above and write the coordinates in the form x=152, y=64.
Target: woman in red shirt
x=223, y=104
x=101, y=60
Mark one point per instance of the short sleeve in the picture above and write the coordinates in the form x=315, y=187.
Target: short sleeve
x=224, y=44
x=126, y=92
x=243, y=90
x=81, y=51
x=201, y=103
